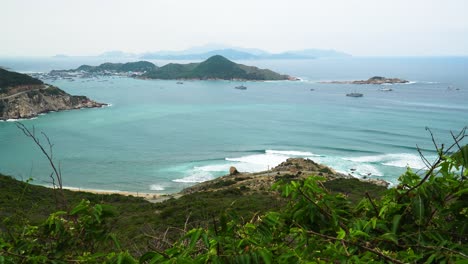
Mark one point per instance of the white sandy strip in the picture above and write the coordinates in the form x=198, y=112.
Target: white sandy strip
x=152, y=197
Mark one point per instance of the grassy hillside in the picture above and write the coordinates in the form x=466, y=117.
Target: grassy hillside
x=139, y=66
x=216, y=67
x=139, y=221
x=11, y=79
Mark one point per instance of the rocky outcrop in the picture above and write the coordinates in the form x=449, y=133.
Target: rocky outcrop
x=233, y=171
x=291, y=169
x=28, y=103
x=373, y=80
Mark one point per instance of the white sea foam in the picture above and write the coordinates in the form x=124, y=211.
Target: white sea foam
x=195, y=177
x=423, y=82
x=290, y=152
x=249, y=163
x=20, y=119
x=156, y=187
x=401, y=160
x=358, y=167
x=367, y=170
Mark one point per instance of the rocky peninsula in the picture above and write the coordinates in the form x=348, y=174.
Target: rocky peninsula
x=22, y=96
x=373, y=80
x=291, y=169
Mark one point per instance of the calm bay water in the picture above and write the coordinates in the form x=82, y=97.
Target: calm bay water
x=161, y=136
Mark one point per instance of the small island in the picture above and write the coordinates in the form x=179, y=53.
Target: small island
x=214, y=68
x=22, y=96
x=373, y=80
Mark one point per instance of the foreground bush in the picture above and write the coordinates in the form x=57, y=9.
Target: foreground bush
x=424, y=219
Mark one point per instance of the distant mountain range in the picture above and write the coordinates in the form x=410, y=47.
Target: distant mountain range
x=235, y=54
x=230, y=52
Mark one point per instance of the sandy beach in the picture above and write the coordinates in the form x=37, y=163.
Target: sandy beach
x=150, y=197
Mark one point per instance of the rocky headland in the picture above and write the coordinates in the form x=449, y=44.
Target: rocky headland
x=22, y=96
x=373, y=80
x=291, y=169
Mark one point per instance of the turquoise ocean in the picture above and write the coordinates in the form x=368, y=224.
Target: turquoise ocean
x=160, y=136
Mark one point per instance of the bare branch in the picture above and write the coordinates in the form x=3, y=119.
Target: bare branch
x=423, y=158
x=48, y=155
x=373, y=205
x=441, y=153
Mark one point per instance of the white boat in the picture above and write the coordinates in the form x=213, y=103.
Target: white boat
x=241, y=87
x=355, y=95
x=386, y=89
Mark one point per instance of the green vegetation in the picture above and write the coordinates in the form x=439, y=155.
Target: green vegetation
x=12, y=79
x=139, y=66
x=171, y=71
x=216, y=67
x=53, y=90
x=424, y=219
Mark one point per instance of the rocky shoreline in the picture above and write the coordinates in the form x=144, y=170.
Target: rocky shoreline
x=292, y=168
x=40, y=99
x=374, y=80
x=249, y=183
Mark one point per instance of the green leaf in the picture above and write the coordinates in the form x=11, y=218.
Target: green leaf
x=390, y=237
x=418, y=210
x=341, y=234
x=461, y=156
x=396, y=223
x=266, y=256
x=462, y=191
x=153, y=257
x=194, y=236
x=83, y=205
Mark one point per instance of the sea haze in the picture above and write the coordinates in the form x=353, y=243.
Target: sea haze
x=160, y=136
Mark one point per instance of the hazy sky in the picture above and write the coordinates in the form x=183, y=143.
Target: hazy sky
x=359, y=27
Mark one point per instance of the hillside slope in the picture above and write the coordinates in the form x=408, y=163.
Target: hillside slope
x=22, y=96
x=216, y=67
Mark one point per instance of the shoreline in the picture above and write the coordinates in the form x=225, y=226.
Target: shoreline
x=150, y=197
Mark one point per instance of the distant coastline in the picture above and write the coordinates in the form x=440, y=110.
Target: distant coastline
x=216, y=67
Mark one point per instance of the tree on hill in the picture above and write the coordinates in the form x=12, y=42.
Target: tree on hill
x=12, y=79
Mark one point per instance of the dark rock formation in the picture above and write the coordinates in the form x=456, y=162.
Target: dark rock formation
x=233, y=171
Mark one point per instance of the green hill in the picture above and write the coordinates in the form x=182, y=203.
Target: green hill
x=216, y=67
x=11, y=79
x=138, y=66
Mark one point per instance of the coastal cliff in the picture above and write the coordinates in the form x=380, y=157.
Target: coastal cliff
x=24, y=97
